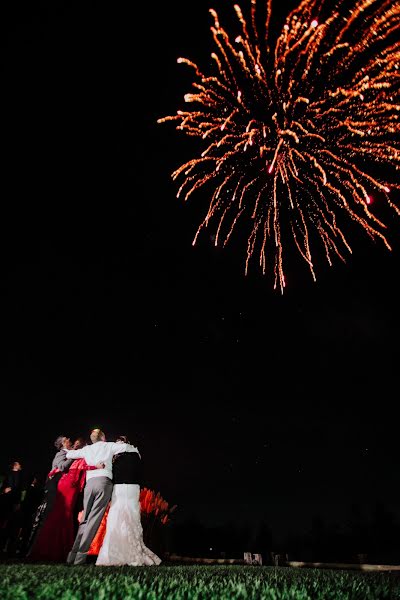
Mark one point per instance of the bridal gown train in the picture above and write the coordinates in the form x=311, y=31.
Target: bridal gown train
x=123, y=541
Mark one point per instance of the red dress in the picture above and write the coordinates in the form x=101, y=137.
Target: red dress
x=56, y=536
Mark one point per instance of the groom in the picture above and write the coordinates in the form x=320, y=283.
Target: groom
x=97, y=491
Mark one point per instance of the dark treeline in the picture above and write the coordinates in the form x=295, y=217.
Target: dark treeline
x=368, y=537
x=364, y=534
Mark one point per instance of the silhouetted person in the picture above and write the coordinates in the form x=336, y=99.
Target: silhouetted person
x=11, y=494
x=29, y=505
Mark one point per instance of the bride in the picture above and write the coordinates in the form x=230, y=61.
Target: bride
x=123, y=540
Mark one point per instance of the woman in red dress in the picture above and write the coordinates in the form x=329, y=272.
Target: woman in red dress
x=56, y=536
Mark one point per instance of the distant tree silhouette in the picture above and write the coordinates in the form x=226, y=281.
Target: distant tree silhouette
x=384, y=535
x=372, y=535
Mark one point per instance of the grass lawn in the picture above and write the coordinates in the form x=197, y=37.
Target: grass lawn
x=45, y=582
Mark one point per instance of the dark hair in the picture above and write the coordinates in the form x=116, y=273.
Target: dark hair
x=122, y=438
x=81, y=440
x=59, y=442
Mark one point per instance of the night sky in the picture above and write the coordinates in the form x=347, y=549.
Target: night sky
x=246, y=404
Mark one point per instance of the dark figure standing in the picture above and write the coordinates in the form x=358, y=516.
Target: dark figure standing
x=11, y=494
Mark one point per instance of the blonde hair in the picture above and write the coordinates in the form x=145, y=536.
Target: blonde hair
x=97, y=435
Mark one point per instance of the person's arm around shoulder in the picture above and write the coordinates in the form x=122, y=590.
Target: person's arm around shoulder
x=130, y=448
x=76, y=453
x=118, y=448
x=61, y=462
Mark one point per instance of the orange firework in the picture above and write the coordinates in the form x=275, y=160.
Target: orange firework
x=298, y=134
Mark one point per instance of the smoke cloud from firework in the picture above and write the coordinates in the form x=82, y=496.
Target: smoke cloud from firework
x=299, y=134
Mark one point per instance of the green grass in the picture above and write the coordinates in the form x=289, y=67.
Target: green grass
x=45, y=582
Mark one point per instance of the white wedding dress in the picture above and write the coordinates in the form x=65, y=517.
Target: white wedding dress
x=123, y=541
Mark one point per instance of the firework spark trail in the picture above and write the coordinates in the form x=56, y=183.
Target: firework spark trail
x=282, y=149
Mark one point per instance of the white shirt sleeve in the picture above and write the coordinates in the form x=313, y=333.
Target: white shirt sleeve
x=130, y=448
x=75, y=453
x=117, y=448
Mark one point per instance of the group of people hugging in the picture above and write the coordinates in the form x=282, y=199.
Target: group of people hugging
x=106, y=478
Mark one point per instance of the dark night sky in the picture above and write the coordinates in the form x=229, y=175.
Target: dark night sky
x=245, y=404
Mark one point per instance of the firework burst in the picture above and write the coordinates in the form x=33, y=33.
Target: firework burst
x=299, y=133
